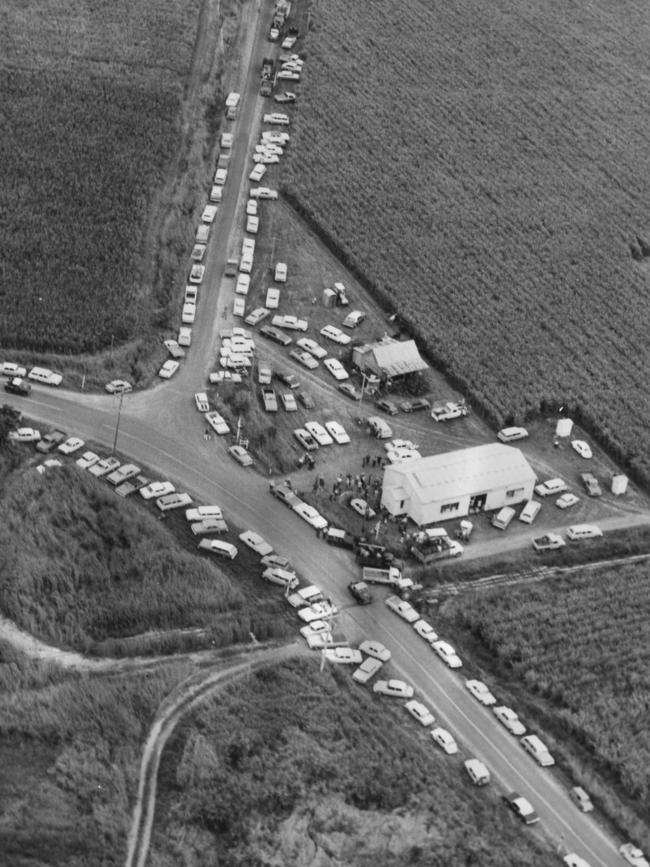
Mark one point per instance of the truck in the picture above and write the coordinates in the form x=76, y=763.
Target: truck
x=268, y=77
x=280, y=15
x=392, y=576
x=232, y=105
x=434, y=544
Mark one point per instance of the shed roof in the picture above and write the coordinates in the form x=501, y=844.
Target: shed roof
x=395, y=357
x=461, y=473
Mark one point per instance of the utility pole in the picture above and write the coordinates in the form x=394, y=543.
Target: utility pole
x=117, y=424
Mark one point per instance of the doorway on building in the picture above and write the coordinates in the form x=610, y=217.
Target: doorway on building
x=477, y=503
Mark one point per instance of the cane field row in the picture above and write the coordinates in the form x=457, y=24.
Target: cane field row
x=580, y=647
x=485, y=169
x=91, y=95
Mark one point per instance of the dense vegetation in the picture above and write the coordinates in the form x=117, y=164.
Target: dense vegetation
x=70, y=748
x=335, y=776
x=81, y=566
x=91, y=95
x=484, y=169
x=579, y=650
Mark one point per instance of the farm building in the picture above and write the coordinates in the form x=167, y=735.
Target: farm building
x=389, y=358
x=454, y=484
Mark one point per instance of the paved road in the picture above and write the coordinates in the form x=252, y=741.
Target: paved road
x=159, y=428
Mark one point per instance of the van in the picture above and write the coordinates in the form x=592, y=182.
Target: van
x=173, y=501
x=503, y=518
x=340, y=538
x=583, y=531
x=218, y=547
x=512, y=434
x=538, y=750
x=530, y=511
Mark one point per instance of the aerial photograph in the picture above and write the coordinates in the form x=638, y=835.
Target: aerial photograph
x=325, y=433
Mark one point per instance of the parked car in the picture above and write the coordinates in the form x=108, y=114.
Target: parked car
x=581, y=799
x=71, y=445
x=118, y=386
x=354, y=319
x=256, y=543
x=376, y=650
x=350, y=390
x=217, y=422
x=582, y=448
x=201, y=401
x=550, y=487
x=368, y=668
x=319, y=433
x=25, y=435
x=633, y=855
x=403, y=608
x=548, y=542
x=86, y=460
x=287, y=378
x=394, y=688
x=311, y=347
x=18, y=385
x=175, y=500
x=304, y=358
x=257, y=315
x=240, y=454
x=521, y=807
x=447, y=653
x=337, y=432
x=361, y=507
x=305, y=439
x=414, y=404
x=334, y=366
x=425, y=630
x=387, y=406
x=448, y=411
x=103, y=467
x=420, y=712
x=288, y=401
x=592, y=486
x=344, y=655
x=156, y=489
x=51, y=440
x=565, y=501
x=174, y=348
x=361, y=592
x=198, y=513
x=480, y=692
x=306, y=400
x=509, y=719
x=477, y=772
x=168, y=369
x=45, y=376
x=512, y=434
x=10, y=368
x=275, y=334
x=445, y=740
x=335, y=335
x=311, y=515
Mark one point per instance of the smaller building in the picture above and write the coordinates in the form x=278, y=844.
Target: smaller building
x=455, y=484
x=389, y=358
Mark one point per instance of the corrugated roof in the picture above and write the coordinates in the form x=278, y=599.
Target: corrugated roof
x=398, y=357
x=461, y=473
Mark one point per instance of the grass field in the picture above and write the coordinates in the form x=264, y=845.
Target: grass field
x=82, y=568
x=334, y=776
x=576, y=651
x=91, y=96
x=485, y=168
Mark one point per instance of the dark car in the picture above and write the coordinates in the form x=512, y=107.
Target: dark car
x=521, y=807
x=414, y=404
x=591, y=484
x=18, y=385
x=275, y=334
x=289, y=379
x=361, y=592
x=51, y=440
x=387, y=406
x=349, y=390
x=306, y=400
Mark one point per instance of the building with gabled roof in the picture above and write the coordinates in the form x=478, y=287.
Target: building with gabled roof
x=389, y=358
x=454, y=484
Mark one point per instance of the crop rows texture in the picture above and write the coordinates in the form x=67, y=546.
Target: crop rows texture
x=486, y=169
x=90, y=96
x=584, y=646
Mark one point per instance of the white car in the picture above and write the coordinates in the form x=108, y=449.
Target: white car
x=252, y=208
x=280, y=274
x=209, y=213
x=550, y=487
x=168, y=369
x=310, y=515
x=269, y=148
x=243, y=284
x=156, y=489
x=266, y=159
x=368, y=668
x=174, y=349
x=258, y=173
x=103, y=467
x=118, y=386
x=582, y=448
x=316, y=627
x=238, y=307
x=425, y=630
x=291, y=322
x=277, y=117
x=25, y=435
x=403, y=608
x=401, y=455
x=45, y=376
x=198, y=252
x=633, y=855
x=311, y=347
x=447, y=653
x=221, y=177
x=275, y=136
x=184, y=337
x=345, y=655
x=256, y=543
x=240, y=454
x=317, y=611
x=302, y=357
x=566, y=501
x=361, y=507
x=8, y=368
x=263, y=193
x=284, y=577
x=288, y=401
x=319, y=433
x=217, y=422
x=510, y=720
x=573, y=860
x=511, y=434
x=481, y=692
x=445, y=740
x=175, y=500
x=335, y=334
x=420, y=712
x=395, y=688
x=337, y=370
x=201, y=401
x=276, y=560
x=477, y=772
x=209, y=525
x=200, y=512
x=252, y=225
x=71, y=445
x=337, y=432
x=188, y=314
x=87, y=460
x=375, y=649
